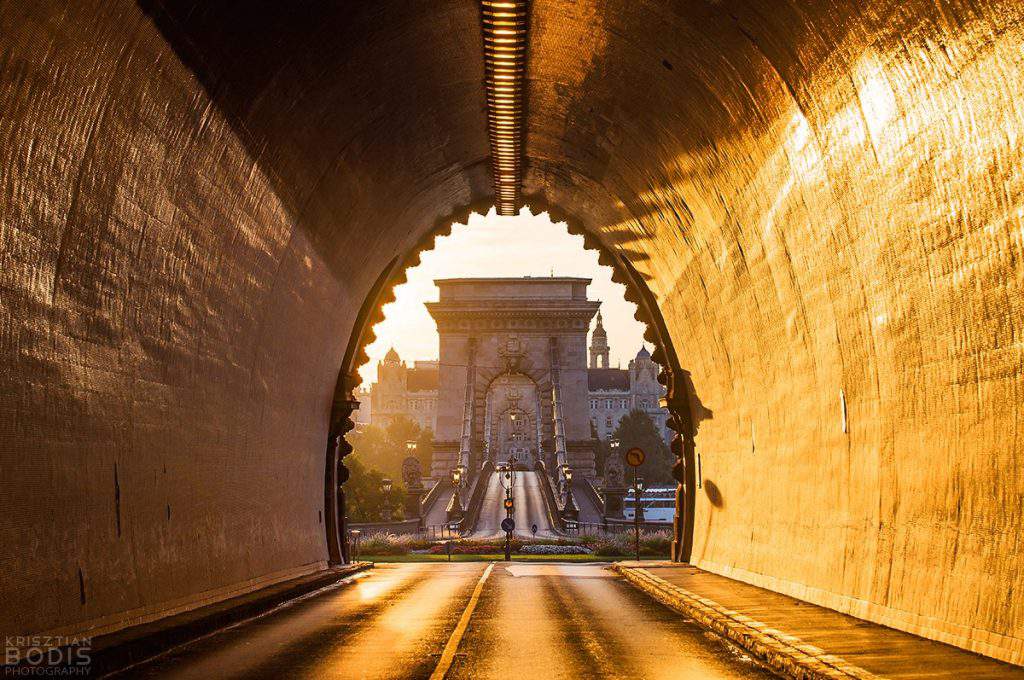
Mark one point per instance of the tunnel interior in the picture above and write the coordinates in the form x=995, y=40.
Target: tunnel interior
x=818, y=203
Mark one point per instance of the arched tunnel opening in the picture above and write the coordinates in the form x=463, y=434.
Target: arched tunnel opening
x=817, y=207
x=408, y=425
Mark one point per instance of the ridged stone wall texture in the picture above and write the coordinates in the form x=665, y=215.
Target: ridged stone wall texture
x=824, y=197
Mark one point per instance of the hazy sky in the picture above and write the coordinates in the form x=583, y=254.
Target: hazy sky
x=525, y=245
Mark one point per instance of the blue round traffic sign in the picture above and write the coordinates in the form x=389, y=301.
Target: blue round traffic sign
x=508, y=525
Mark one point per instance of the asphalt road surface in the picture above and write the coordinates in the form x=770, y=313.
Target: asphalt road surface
x=464, y=620
x=529, y=507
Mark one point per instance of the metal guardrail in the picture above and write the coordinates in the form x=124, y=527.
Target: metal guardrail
x=613, y=526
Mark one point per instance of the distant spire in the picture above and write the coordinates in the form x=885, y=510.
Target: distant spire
x=599, y=350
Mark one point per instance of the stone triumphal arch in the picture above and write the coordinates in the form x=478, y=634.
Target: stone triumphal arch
x=513, y=372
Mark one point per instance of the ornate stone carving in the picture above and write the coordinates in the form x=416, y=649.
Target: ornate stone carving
x=412, y=472
x=613, y=472
x=512, y=353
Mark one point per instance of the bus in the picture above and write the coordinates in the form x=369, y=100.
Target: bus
x=659, y=504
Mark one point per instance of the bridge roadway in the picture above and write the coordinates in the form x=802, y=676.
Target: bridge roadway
x=530, y=620
x=530, y=507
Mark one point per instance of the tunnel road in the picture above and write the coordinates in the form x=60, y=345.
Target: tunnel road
x=464, y=620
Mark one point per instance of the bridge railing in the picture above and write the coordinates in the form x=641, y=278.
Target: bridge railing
x=429, y=498
x=586, y=487
x=476, y=497
x=551, y=501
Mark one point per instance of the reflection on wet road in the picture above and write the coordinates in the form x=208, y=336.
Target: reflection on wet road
x=529, y=620
x=529, y=509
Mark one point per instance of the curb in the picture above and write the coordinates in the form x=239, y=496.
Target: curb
x=784, y=654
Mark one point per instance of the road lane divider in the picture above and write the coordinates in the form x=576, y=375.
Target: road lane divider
x=448, y=655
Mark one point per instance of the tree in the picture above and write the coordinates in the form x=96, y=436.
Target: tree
x=637, y=429
x=384, y=449
x=365, y=500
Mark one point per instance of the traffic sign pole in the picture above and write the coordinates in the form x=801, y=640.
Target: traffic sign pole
x=509, y=525
x=636, y=516
x=635, y=458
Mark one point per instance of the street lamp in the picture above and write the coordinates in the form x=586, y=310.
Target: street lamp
x=570, y=512
x=385, y=486
x=354, y=540
x=455, y=506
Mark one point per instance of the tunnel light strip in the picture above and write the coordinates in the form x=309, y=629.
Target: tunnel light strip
x=504, y=28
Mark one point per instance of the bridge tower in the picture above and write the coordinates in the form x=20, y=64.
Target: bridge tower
x=501, y=342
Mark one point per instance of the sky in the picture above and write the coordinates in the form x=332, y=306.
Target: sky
x=524, y=245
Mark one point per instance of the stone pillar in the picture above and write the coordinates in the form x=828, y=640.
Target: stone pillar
x=613, y=490
x=412, y=477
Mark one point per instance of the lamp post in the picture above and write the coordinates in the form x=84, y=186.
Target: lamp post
x=354, y=538
x=455, y=506
x=570, y=512
x=385, y=487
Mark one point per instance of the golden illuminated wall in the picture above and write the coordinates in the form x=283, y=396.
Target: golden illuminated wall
x=825, y=197
x=828, y=204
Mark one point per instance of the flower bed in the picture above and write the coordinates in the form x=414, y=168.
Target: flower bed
x=652, y=544
x=467, y=549
x=554, y=550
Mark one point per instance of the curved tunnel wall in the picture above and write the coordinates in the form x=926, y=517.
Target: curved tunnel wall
x=824, y=197
x=827, y=203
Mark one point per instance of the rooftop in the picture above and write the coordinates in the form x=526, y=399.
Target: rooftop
x=608, y=379
x=549, y=288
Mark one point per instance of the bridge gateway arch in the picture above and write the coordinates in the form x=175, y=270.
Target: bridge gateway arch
x=521, y=347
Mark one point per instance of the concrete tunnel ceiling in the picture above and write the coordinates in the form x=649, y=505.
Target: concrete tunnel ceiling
x=825, y=198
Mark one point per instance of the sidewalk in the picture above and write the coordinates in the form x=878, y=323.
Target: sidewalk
x=802, y=640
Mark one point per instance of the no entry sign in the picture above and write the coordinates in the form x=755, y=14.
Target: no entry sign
x=635, y=457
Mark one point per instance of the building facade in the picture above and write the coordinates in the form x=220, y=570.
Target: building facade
x=404, y=390
x=614, y=392
x=515, y=377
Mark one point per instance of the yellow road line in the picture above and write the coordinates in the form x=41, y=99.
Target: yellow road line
x=448, y=655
